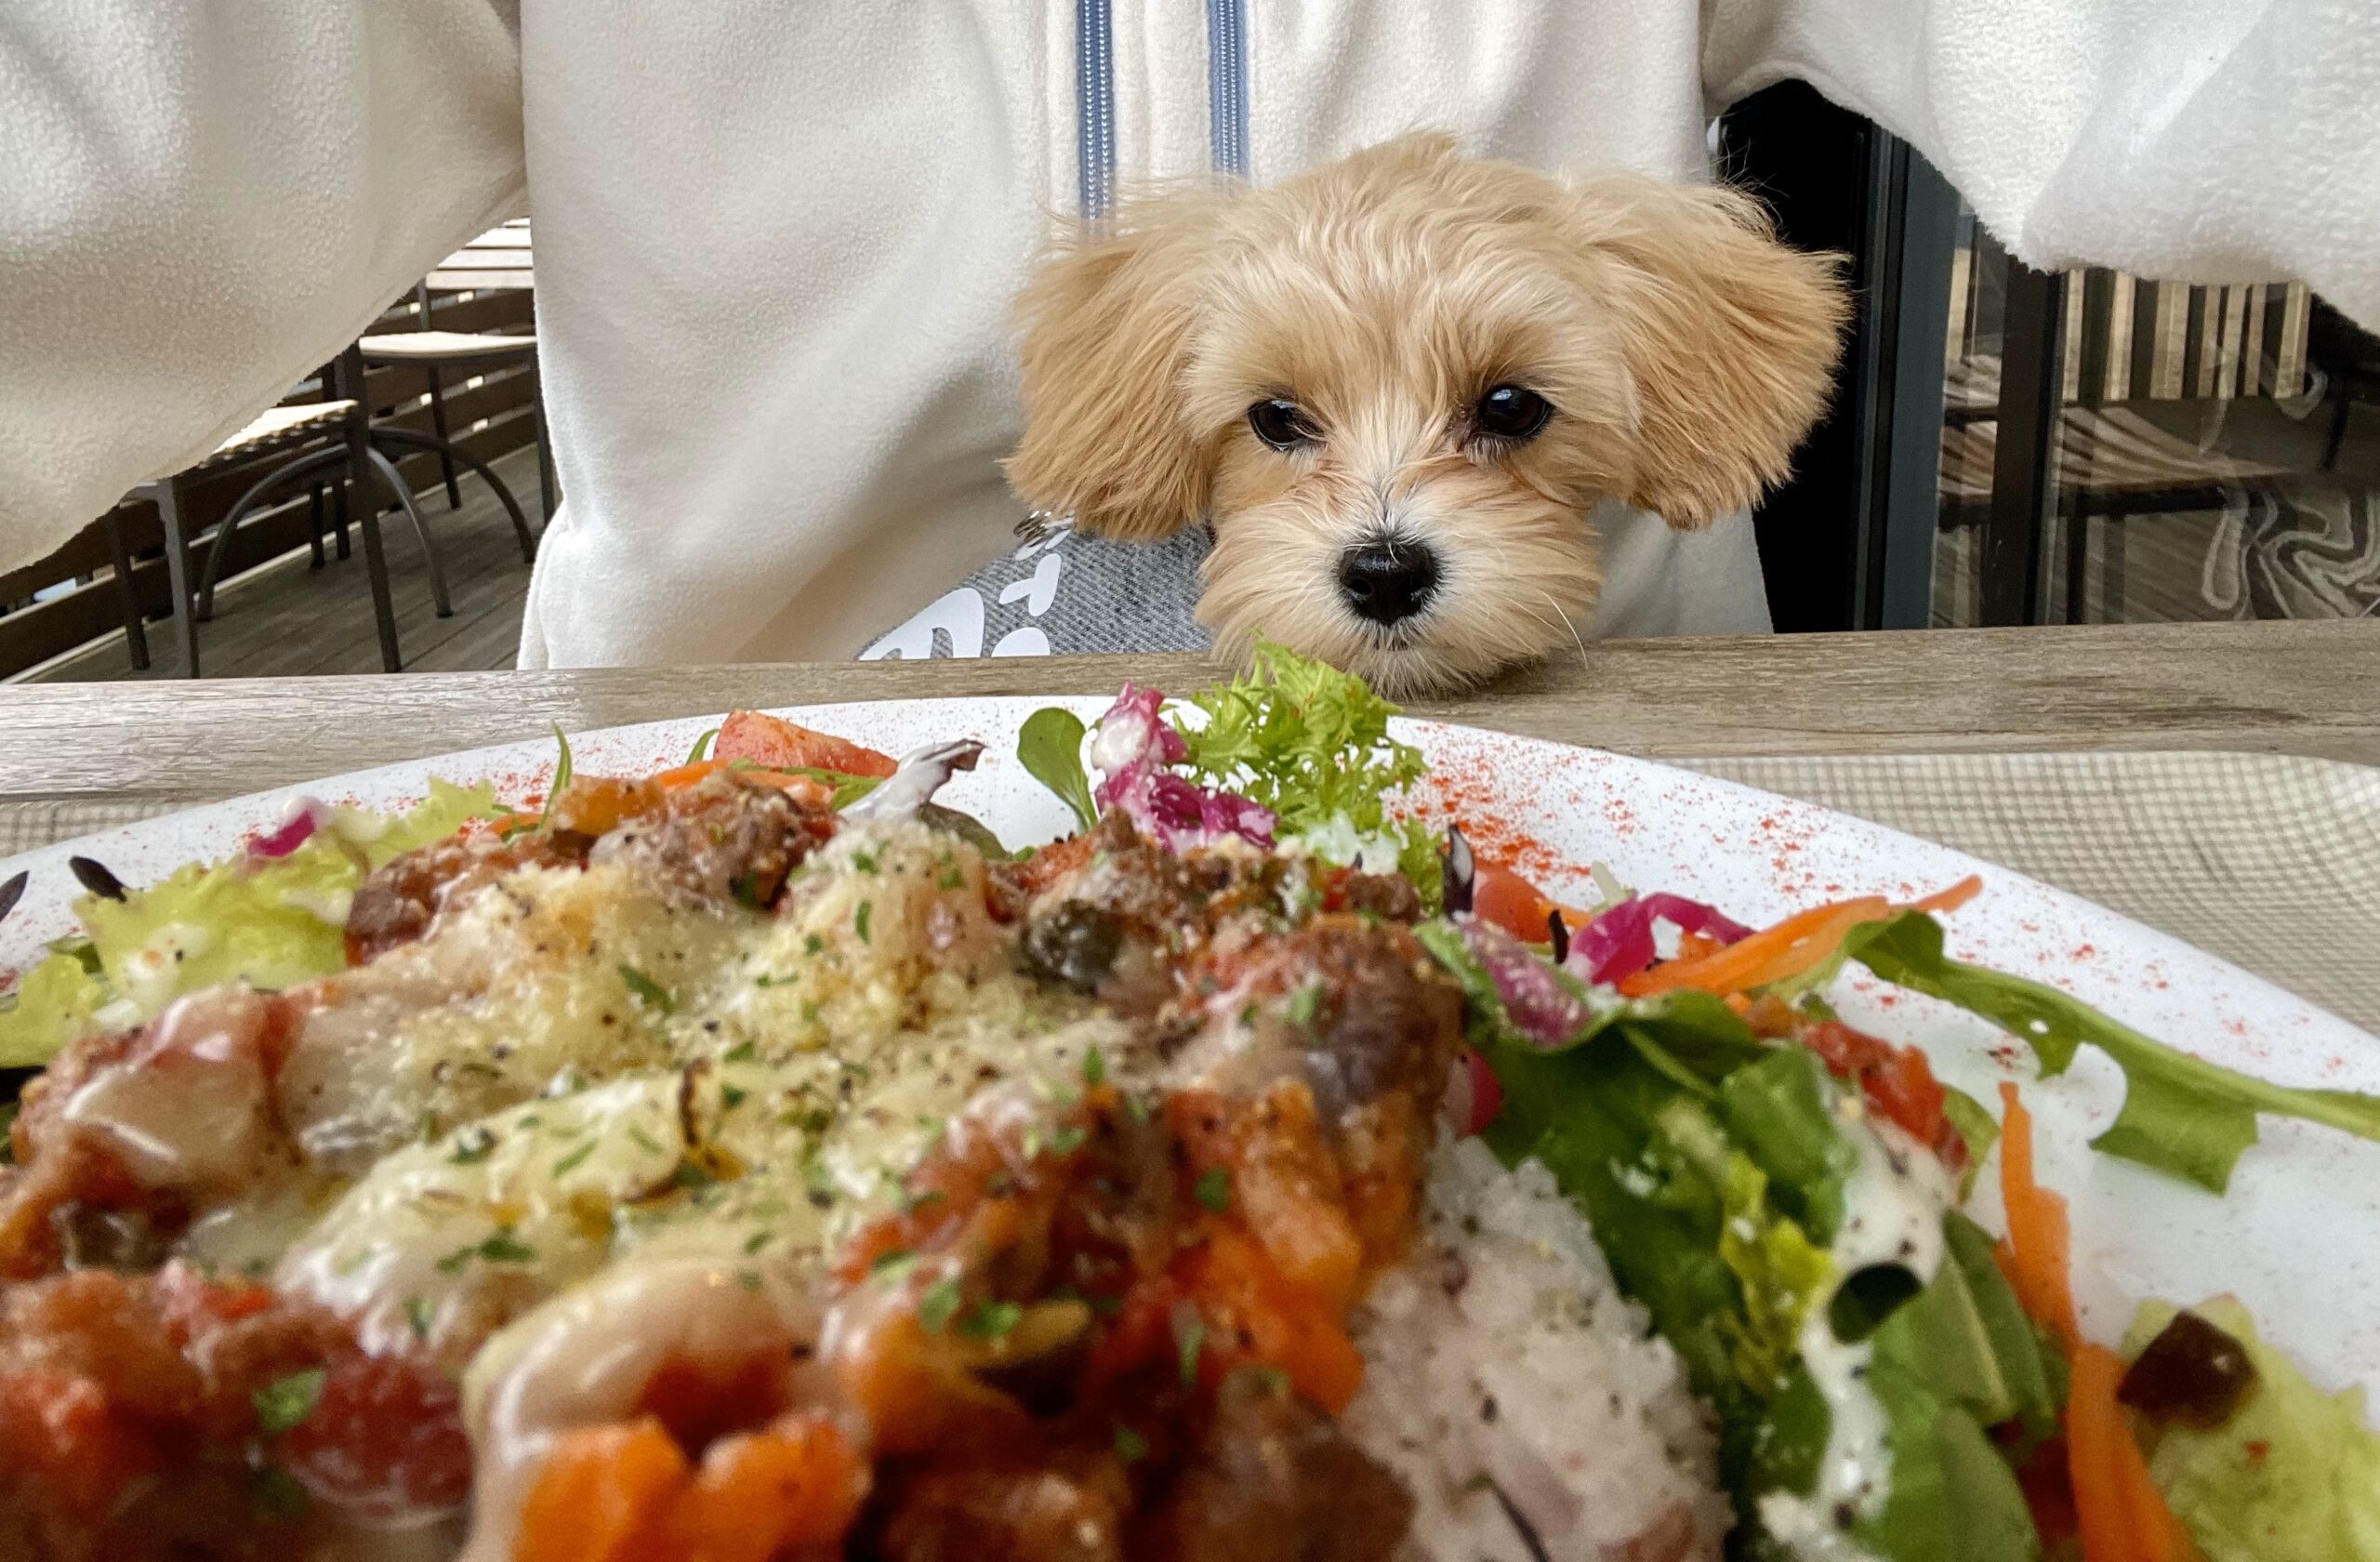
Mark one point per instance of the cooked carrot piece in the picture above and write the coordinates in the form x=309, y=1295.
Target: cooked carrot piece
x=793, y=1488
x=1241, y=1294
x=603, y=1494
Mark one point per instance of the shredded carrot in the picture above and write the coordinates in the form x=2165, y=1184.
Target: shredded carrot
x=2157, y=1535
x=1787, y=949
x=2034, y=1255
x=1773, y=954
x=2118, y=1510
x=2094, y=1429
x=1950, y=899
x=687, y=775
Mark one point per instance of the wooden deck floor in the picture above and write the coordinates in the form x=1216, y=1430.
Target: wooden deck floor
x=288, y=620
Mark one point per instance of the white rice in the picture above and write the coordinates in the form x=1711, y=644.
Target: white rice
x=1503, y=1358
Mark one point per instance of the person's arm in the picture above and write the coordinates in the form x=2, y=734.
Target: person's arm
x=2201, y=141
x=200, y=202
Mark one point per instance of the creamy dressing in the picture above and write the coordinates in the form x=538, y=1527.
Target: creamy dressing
x=523, y=1200
x=1894, y=1201
x=188, y=1109
x=585, y=1358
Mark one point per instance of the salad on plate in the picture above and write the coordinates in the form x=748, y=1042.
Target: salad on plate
x=758, y=1159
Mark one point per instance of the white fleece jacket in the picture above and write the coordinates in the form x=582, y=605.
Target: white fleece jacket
x=776, y=242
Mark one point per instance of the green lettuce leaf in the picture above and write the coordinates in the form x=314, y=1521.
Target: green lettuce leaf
x=2181, y=1114
x=1715, y=1171
x=1778, y=1272
x=270, y=923
x=1049, y=745
x=54, y=1004
x=2294, y=1473
x=1311, y=743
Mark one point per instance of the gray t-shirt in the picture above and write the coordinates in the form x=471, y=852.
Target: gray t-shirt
x=1063, y=592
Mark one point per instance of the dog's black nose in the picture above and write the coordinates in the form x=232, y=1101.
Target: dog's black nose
x=1388, y=581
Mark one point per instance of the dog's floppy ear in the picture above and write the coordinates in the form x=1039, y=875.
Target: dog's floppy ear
x=1106, y=320
x=1731, y=337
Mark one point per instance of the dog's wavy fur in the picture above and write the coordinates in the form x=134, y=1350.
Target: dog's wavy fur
x=1684, y=350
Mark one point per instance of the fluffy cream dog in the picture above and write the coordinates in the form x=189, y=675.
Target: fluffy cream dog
x=1398, y=385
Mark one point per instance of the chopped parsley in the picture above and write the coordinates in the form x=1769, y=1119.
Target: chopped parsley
x=939, y=1304
x=951, y=879
x=860, y=917
x=733, y=1097
x=470, y=1152
x=1303, y=1004
x=500, y=1247
x=743, y=1051
x=644, y=1140
x=1189, y=1337
x=1130, y=1446
x=647, y=991
x=420, y=1315
x=1213, y=1190
x=572, y=1161
x=1067, y=1139
x=812, y=945
x=285, y=1401
x=1094, y=1065
x=862, y=862
x=750, y=1280
x=990, y=1320
x=758, y=1241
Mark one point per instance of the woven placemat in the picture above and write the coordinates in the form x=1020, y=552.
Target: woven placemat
x=2271, y=860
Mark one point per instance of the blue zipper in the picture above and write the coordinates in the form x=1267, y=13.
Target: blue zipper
x=1227, y=85
x=1094, y=107
x=1095, y=97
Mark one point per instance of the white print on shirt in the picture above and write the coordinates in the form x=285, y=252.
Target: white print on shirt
x=957, y=617
x=1040, y=588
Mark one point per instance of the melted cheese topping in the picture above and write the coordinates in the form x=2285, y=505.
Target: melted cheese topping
x=578, y=1079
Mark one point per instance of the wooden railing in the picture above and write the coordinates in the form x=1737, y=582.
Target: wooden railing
x=488, y=415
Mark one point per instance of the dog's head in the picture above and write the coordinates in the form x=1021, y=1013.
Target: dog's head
x=1397, y=384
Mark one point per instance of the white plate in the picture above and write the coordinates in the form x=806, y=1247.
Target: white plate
x=2297, y=1238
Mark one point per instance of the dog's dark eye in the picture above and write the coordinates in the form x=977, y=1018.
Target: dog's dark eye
x=1281, y=424
x=1511, y=412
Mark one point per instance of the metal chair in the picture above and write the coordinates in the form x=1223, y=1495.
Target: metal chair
x=436, y=352
x=330, y=439
x=363, y=448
